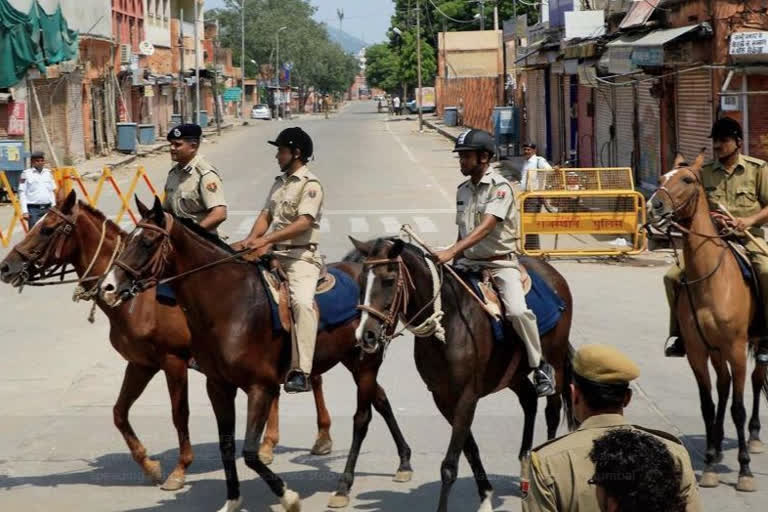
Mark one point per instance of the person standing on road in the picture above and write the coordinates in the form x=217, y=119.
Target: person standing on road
x=289, y=225
x=487, y=220
x=530, y=180
x=556, y=476
x=396, y=105
x=37, y=189
x=193, y=189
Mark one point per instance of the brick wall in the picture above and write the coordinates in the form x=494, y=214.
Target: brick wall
x=160, y=62
x=479, y=95
x=52, y=95
x=758, y=120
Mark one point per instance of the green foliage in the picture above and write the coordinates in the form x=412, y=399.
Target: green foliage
x=383, y=67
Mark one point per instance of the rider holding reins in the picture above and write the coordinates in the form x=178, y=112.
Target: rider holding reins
x=488, y=226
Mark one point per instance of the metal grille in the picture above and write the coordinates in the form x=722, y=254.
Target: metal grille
x=649, y=137
x=603, y=121
x=694, y=113
x=580, y=179
x=625, y=120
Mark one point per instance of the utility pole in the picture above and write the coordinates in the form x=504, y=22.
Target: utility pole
x=340, y=14
x=420, y=99
x=182, y=85
x=242, y=59
x=216, y=46
x=197, y=65
x=482, y=14
x=496, y=16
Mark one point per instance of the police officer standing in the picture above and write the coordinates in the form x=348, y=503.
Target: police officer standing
x=37, y=189
x=740, y=183
x=487, y=219
x=556, y=476
x=289, y=224
x=193, y=189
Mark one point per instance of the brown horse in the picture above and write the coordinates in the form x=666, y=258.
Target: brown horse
x=715, y=308
x=79, y=235
x=236, y=346
x=469, y=364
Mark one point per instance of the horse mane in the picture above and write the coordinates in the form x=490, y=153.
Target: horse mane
x=205, y=234
x=100, y=216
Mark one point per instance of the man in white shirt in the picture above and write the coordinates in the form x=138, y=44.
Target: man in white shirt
x=530, y=180
x=396, y=105
x=37, y=190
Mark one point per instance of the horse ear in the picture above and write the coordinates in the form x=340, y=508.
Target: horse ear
x=363, y=247
x=679, y=161
x=61, y=195
x=699, y=162
x=158, y=214
x=143, y=210
x=396, y=249
x=69, y=203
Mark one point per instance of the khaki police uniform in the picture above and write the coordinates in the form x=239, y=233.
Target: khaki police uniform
x=556, y=475
x=744, y=192
x=191, y=191
x=291, y=197
x=493, y=195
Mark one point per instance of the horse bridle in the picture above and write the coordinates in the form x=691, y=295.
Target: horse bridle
x=155, y=264
x=399, y=304
x=35, y=262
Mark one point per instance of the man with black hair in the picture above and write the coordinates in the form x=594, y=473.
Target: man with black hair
x=635, y=472
x=289, y=226
x=556, y=475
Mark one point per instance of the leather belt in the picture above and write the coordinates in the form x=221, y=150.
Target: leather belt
x=305, y=247
x=496, y=258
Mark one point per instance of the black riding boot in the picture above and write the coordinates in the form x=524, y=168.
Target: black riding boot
x=676, y=348
x=297, y=382
x=762, y=351
x=544, y=379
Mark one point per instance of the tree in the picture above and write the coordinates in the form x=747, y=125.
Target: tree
x=383, y=67
x=408, y=69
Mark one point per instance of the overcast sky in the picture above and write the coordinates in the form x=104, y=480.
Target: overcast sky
x=364, y=19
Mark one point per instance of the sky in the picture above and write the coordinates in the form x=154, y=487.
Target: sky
x=365, y=19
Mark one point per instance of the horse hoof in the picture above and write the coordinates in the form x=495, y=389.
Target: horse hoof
x=746, y=484
x=338, y=501
x=266, y=457
x=174, y=482
x=403, y=476
x=486, y=505
x=323, y=446
x=756, y=446
x=291, y=501
x=709, y=479
x=154, y=471
x=232, y=505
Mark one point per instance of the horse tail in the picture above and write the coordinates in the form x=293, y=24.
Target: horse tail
x=568, y=416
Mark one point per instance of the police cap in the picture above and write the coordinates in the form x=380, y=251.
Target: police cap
x=475, y=140
x=295, y=138
x=604, y=365
x=726, y=128
x=188, y=131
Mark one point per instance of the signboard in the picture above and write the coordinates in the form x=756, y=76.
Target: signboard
x=749, y=43
x=648, y=56
x=149, y=91
x=17, y=118
x=581, y=223
x=232, y=94
x=427, y=95
x=146, y=48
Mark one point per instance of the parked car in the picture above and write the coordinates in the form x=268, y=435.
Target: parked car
x=261, y=112
x=414, y=109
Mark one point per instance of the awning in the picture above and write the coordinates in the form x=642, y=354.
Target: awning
x=639, y=13
x=661, y=37
x=527, y=51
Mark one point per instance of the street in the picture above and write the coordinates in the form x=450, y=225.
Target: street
x=59, y=376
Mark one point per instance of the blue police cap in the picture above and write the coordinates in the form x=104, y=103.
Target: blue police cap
x=187, y=131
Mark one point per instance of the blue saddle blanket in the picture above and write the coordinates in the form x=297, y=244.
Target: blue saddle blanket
x=541, y=299
x=337, y=306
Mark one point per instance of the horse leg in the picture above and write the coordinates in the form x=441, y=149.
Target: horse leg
x=382, y=406
x=746, y=481
x=323, y=443
x=272, y=432
x=463, y=414
x=472, y=453
x=222, y=396
x=758, y=377
x=529, y=401
x=176, y=379
x=135, y=381
x=698, y=362
x=723, y=394
x=259, y=402
x=366, y=393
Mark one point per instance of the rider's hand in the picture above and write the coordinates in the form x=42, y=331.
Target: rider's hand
x=742, y=223
x=238, y=246
x=255, y=243
x=445, y=256
x=25, y=217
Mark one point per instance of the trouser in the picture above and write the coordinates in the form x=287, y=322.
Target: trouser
x=759, y=263
x=302, y=283
x=37, y=212
x=523, y=320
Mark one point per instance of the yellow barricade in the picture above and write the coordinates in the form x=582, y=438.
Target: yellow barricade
x=5, y=236
x=583, y=222
x=586, y=178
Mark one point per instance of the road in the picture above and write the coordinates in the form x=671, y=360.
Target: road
x=59, y=376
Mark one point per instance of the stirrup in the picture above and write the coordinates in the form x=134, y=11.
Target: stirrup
x=544, y=380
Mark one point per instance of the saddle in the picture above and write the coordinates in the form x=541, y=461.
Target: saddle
x=750, y=277
x=490, y=294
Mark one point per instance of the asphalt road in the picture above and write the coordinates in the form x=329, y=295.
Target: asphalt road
x=59, y=376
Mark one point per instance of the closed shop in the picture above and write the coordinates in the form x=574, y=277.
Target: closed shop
x=625, y=121
x=586, y=122
x=648, y=161
x=693, y=113
x=536, y=110
x=556, y=121
x=605, y=153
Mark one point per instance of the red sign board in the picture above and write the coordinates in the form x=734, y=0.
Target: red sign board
x=17, y=118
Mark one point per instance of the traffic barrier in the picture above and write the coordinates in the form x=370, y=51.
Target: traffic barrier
x=68, y=178
x=583, y=222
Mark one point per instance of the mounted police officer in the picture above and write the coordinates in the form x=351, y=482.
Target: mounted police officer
x=556, y=476
x=289, y=225
x=741, y=184
x=193, y=189
x=488, y=223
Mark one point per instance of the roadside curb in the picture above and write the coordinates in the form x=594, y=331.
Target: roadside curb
x=439, y=129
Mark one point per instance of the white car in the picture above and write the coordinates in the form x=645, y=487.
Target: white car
x=261, y=112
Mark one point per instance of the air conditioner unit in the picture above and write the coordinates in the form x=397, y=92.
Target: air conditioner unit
x=125, y=54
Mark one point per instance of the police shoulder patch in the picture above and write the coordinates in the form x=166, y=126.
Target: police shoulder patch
x=212, y=187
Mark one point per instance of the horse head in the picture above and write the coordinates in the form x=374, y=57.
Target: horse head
x=143, y=260
x=47, y=244
x=677, y=196
x=385, y=292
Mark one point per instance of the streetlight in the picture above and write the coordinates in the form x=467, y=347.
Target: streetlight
x=277, y=55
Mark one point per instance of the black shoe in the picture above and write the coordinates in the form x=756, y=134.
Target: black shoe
x=192, y=365
x=297, y=382
x=762, y=352
x=676, y=348
x=544, y=379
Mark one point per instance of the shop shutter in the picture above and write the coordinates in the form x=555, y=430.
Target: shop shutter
x=604, y=151
x=693, y=112
x=649, y=137
x=625, y=121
